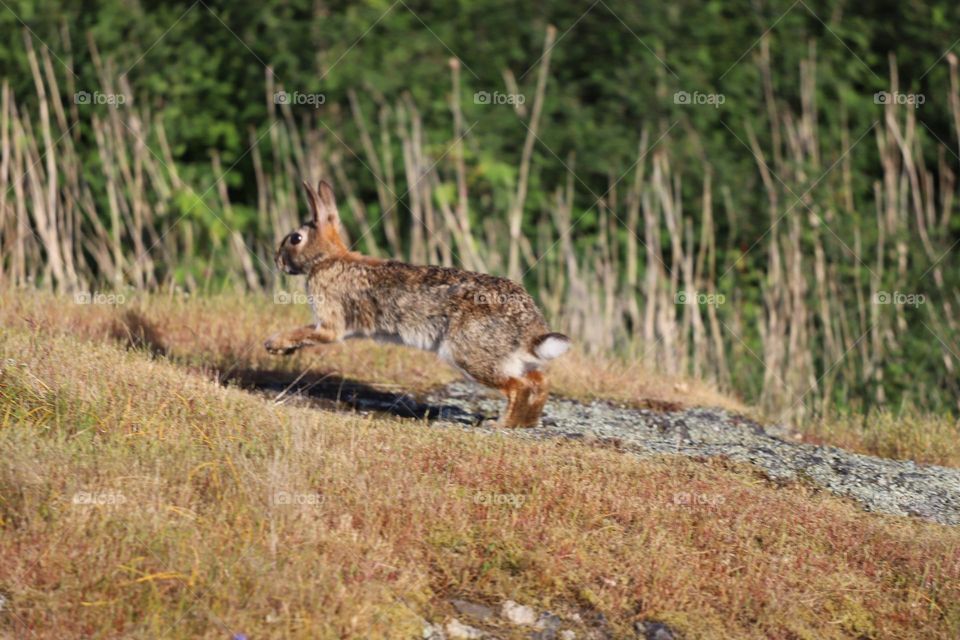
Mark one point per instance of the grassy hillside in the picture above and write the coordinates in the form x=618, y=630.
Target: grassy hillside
x=140, y=498
x=222, y=336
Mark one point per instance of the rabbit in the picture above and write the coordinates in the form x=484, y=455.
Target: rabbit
x=487, y=327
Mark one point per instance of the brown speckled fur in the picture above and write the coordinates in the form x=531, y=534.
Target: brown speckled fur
x=488, y=327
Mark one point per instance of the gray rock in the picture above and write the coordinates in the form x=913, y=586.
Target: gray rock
x=459, y=631
x=472, y=609
x=548, y=622
x=547, y=627
x=518, y=614
x=653, y=630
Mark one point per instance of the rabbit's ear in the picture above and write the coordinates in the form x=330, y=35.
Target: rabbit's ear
x=314, y=201
x=327, y=212
x=323, y=204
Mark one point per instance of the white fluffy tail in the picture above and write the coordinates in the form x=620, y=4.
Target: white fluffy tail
x=550, y=346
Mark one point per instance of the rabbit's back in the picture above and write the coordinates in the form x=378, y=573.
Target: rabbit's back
x=440, y=309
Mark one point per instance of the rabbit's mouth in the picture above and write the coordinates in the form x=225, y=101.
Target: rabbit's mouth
x=285, y=266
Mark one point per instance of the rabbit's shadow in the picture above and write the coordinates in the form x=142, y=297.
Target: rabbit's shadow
x=332, y=391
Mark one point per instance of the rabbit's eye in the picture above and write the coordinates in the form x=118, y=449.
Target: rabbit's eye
x=295, y=238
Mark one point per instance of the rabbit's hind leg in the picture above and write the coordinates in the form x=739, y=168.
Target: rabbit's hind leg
x=526, y=396
x=524, y=388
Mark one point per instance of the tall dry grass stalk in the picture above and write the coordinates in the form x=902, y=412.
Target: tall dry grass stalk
x=819, y=330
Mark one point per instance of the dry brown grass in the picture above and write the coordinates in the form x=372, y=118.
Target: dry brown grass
x=225, y=333
x=196, y=544
x=907, y=435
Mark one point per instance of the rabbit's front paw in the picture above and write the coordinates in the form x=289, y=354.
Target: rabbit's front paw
x=279, y=345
